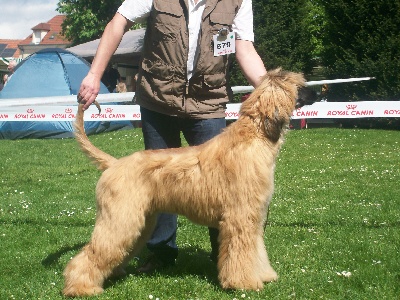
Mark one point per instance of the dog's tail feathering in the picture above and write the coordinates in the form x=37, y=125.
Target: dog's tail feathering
x=101, y=159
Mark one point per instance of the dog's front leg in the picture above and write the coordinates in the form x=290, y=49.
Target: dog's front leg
x=151, y=221
x=265, y=270
x=242, y=261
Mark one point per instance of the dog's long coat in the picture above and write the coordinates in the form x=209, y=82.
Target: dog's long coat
x=225, y=183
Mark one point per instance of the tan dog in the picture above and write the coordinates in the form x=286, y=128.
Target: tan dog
x=225, y=183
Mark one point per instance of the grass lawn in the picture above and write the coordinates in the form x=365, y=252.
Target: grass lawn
x=333, y=231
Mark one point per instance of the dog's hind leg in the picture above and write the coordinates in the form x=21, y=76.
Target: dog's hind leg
x=119, y=226
x=239, y=254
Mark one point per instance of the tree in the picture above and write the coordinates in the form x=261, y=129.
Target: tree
x=282, y=36
x=362, y=38
x=316, y=23
x=86, y=19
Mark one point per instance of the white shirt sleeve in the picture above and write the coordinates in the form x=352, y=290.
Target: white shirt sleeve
x=135, y=10
x=243, y=22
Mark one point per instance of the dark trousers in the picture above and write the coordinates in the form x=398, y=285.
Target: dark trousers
x=161, y=132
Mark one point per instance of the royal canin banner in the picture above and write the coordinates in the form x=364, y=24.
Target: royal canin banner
x=68, y=113
x=319, y=110
x=343, y=110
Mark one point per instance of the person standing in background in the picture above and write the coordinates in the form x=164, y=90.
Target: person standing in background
x=110, y=78
x=10, y=68
x=3, y=82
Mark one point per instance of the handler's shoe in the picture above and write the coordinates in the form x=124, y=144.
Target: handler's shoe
x=154, y=264
x=214, y=256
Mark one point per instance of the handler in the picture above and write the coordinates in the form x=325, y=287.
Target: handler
x=182, y=84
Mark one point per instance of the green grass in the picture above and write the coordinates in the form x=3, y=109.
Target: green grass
x=333, y=231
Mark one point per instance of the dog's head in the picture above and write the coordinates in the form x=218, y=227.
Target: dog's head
x=306, y=96
x=273, y=101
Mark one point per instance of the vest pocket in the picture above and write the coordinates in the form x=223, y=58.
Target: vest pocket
x=158, y=70
x=218, y=21
x=214, y=81
x=168, y=7
x=211, y=93
x=162, y=83
x=167, y=23
x=223, y=18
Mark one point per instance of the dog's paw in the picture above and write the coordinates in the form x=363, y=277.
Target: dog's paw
x=73, y=291
x=269, y=276
x=242, y=284
x=118, y=272
x=245, y=285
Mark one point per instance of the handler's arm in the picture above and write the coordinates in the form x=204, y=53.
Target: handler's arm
x=250, y=62
x=109, y=42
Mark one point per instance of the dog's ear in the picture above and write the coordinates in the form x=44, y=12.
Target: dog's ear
x=273, y=128
x=277, y=101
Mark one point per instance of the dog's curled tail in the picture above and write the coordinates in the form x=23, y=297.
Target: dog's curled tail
x=101, y=159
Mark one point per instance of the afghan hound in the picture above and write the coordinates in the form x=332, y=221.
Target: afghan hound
x=226, y=183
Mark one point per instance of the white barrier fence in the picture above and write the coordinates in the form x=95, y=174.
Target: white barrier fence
x=323, y=110
x=63, y=108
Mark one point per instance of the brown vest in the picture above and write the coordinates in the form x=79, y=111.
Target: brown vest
x=162, y=82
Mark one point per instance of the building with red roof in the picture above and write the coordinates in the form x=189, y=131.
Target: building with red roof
x=44, y=35
x=9, y=48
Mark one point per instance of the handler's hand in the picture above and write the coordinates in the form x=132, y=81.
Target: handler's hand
x=89, y=90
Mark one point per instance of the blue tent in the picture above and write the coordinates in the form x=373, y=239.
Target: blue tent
x=46, y=73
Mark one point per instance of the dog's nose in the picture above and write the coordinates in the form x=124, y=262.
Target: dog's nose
x=299, y=103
